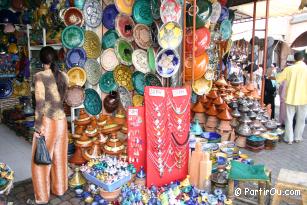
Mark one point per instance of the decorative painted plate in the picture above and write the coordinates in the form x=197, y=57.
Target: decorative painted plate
x=139, y=60
x=170, y=35
x=73, y=16
x=124, y=96
x=92, y=45
x=72, y=37
x=6, y=89
x=92, y=102
x=138, y=100
x=92, y=11
x=124, y=25
x=123, y=50
x=202, y=86
x=74, y=96
x=107, y=82
x=155, y=9
x=203, y=11
x=109, y=15
x=108, y=59
x=152, y=79
x=151, y=56
x=138, y=80
x=216, y=12
x=154, y=31
x=167, y=63
x=170, y=10
x=75, y=57
x=124, y=6
x=108, y=39
x=93, y=71
x=202, y=39
x=123, y=76
x=76, y=76
x=225, y=29
x=142, y=36
x=142, y=12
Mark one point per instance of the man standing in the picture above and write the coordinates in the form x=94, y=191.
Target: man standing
x=295, y=77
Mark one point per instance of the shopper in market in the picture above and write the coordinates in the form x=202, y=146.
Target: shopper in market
x=296, y=97
x=50, y=121
x=270, y=89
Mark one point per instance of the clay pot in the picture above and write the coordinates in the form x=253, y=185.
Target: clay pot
x=78, y=132
x=201, y=118
x=212, y=94
x=120, y=117
x=102, y=120
x=224, y=115
x=93, y=121
x=221, y=82
x=84, y=141
x=84, y=118
x=203, y=99
x=110, y=196
x=225, y=126
x=111, y=102
x=198, y=108
x=101, y=138
x=77, y=157
x=212, y=111
x=91, y=131
x=218, y=101
x=113, y=146
x=94, y=152
x=212, y=122
x=223, y=106
x=241, y=141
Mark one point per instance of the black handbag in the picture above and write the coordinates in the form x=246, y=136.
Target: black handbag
x=42, y=156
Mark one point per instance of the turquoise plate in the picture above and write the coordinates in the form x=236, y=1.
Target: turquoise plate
x=155, y=9
x=151, y=59
x=152, y=80
x=108, y=39
x=138, y=80
x=92, y=102
x=72, y=37
x=107, y=82
x=225, y=29
x=142, y=12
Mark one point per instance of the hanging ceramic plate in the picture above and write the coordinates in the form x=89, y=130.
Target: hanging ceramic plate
x=224, y=14
x=155, y=9
x=152, y=79
x=74, y=96
x=93, y=71
x=170, y=10
x=123, y=50
x=75, y=57
x=6, y=89
x=73, y=16
x=76, y=76
x=170, y=35
x=92, y=45
x=142, y=36
x=124, y=96
x=139, y=60
x=202, y=39
x=138, y=80
x=124, y=25
x=137, y=100
x=225, y=29
x=72, y=37
x=92, y=102
x=108, y=59
x=124, y=6
x=108, y=39
x=109, y=15
x=202, y=86
x=123, y=76
x=216, y=12
x=92, y=11
x=154, y=31
x=167, y=63
x=142, y=12
x=203, y=12
x=151, y=56
x=107, y=82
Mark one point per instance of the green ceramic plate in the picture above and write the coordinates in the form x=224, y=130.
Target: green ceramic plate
x=138, y=80
x=151, y=59
x=123, y=51
x=225, y=29
x=92, y=102
x=107, y=82
x=155, y=9
x=203, y=14
x=72, y=37
x=108, y=39
x=142, y=12
x=152, y=80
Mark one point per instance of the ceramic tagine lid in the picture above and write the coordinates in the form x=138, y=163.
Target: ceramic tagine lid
x=124, y=129
x=221, y=82
x=245, y=119
x=110, y=127
x=120, y=117
x=78, y=132
x=218, y=101
x=203, y=99
x=141, y=174
x=212, y=111
x=224, y=115
x=84, y=118
x=93, y=152
x=113, y=146
x=91, y=131
x=198, y=108
x=212, y=94
x=84, y=141
x=102, y=120
x=223, y=106
x=235, y=113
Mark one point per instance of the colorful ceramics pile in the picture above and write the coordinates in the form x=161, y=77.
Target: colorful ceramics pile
x=6, y=178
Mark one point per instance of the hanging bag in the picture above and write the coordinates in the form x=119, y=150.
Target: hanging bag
x=42, y=156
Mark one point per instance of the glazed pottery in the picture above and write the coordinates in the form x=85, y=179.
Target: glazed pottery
x=142, y=36
x=170, y=35
x=111, y=102
x=92, y=102
x=167, y=63
x=76, y=76
x=108, y=59
x=94, y=152
x=93, y=71
x=92, y=45
x=92, y=11
x=76, y=57
x=142, y=12
x=124, y=25
x=201, y=63
x=108, y=16
x=74, y=96
x=72, y=37
x=107, y=82
x=73, y=16
x=109, y=39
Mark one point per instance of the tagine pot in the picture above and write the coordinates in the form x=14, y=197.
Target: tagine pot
x=93, y=152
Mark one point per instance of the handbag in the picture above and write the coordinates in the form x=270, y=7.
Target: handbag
x=42, y=156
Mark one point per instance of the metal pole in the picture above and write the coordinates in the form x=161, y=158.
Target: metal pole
x=194, y=33
x=184, y=37
x=253, y=41
x=265, y=52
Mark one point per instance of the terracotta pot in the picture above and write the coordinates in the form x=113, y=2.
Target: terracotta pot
x=203, y=99
x=93, y=121
x=113, y=146
x=101, y=137
x=198, y=108
x=221, y=82
x=84, y=141
x=77, y=157
x=212, y=94
x=111, y=102
x=212, y=122
x=91, y=131
x=110, y=196
x=93, y=152
x=102, y=120
x=225, y=126
x=223, y=106
x=212, y=111
x=218, y=101
x=224, y=115
x=84, y=118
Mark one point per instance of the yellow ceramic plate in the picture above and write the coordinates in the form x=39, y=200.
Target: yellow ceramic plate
x=123, y=76
x=170, y=35
x=77, y=76
x=124, y=6
x=92, y=45
x=137, y=100
x=202, y=86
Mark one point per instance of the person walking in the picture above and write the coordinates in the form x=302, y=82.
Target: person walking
x=295, y=77
x=50, y=122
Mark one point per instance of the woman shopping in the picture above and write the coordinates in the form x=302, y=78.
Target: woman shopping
x=50, y=122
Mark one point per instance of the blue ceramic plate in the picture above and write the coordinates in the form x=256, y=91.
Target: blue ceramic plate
x=167, y=63
x=210, y=136
x=109, y=15
x=210, y=147
x=142, y=12
x=92, y=11
x=138, y=80
x=76, y=57
x=107, y=82
x=92, y=102
x=6, y=89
